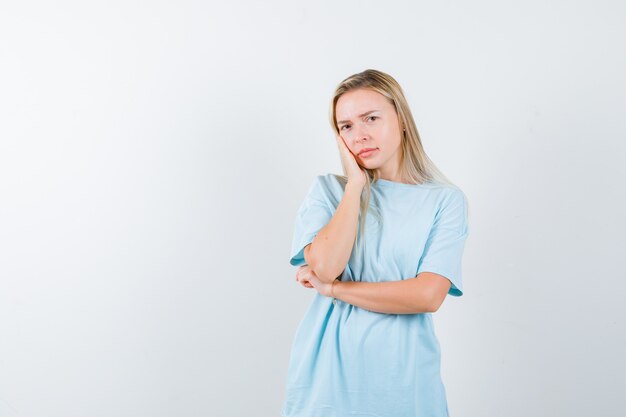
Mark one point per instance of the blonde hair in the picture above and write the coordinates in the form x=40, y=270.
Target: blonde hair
x=415, y=165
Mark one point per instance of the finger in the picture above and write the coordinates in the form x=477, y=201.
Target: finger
x=345, y=151
x=341, y=143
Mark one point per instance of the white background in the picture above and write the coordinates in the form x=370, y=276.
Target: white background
x=153, y=156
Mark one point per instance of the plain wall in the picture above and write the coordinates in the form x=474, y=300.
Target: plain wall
x=153, y=156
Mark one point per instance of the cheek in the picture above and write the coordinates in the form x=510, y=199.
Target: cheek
x=392, y=137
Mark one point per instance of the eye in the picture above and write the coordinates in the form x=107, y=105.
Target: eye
x=373, y=117
x=344, y=126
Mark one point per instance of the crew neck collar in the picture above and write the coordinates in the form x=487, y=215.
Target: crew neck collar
x=387, y=183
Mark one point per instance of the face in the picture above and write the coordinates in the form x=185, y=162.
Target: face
x=366, y=119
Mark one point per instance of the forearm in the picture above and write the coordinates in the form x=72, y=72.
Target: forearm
x=330, y=250
x=407, y=296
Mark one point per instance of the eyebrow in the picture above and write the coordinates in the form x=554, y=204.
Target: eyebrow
x=360, y=115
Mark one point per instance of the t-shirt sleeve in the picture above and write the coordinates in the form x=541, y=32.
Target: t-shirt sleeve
x=443, y=251
x=314, y=213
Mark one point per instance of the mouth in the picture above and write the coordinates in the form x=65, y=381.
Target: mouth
x=367, y=152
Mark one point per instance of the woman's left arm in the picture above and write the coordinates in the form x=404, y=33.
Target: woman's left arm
x=422, y=294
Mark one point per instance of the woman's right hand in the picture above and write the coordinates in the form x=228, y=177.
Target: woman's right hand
x=302, y=276
x=356, y=174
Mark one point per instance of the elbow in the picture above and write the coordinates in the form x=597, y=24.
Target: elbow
x=325, y=274
x=425, y=307
x=435, y=303
x=426, y=301
x=432, y=308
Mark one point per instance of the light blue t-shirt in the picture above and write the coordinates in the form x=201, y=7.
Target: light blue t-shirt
x=350, y=362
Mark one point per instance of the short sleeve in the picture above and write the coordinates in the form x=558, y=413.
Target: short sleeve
x=314, y=213
x=443, y=251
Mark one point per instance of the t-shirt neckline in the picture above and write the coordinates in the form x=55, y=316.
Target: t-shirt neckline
x=387, y=183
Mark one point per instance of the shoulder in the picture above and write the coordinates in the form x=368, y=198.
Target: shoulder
x=330, y=184
x=446, y=200
x=453, y=206
x=331, y=180
x=326, y=188
x=452, y=194
x=446, y=194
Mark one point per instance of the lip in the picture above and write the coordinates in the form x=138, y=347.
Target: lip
x=365, y=153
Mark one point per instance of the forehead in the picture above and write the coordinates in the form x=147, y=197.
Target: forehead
x=353, y=103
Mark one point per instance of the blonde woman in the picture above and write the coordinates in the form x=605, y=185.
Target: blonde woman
x=382, y=247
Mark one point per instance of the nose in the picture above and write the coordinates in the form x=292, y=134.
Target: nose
x=360, y=134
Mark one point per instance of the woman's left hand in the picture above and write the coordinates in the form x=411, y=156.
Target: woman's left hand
x=306, y=275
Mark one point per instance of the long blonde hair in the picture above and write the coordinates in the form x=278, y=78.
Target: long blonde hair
x=415, y=165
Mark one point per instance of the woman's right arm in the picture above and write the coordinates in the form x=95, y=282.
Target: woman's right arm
x=330, y=250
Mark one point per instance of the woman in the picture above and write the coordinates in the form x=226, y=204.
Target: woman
x=366, y=345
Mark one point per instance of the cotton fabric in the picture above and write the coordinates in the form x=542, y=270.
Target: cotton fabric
x=347, y=361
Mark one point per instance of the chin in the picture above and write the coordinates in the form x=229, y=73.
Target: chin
x=369, y=165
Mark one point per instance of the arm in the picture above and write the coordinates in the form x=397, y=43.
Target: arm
x=330, y=250
x=422, y=294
